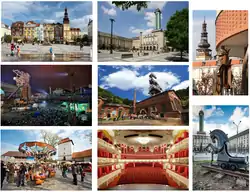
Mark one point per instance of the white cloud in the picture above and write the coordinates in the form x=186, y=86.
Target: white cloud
x=126, y=79
x=197, y=28
x=182, y=85
x=111, y=12
x=137, y=31
x=150, y=18
x=59, y=14
x=156, y=4
x=81, y=22
x=213, y=111
x=49, y=21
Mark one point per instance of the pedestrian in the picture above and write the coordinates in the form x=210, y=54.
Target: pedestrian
x=3, y=173
x=18, y=51
x=22, y=171
x=11, y=173
x=74, y=173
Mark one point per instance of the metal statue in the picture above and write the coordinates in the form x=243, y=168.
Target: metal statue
x=220, y=147
x=223, y=75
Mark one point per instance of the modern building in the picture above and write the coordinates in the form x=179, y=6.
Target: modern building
x=129, y=158
x=17, y=29
x=203, y=52
x=5, y=30
x=242, y=139
x=82, y=156
x=30, y=31
x=232, y=31
x=65, y=149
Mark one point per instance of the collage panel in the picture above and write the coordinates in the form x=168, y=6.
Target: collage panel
x=221, y=147
x=139, y=95
x=46, y=160
x=220, y=65
x=46, y=95
x=143, y=159
x=42, y=31
x=160, y=32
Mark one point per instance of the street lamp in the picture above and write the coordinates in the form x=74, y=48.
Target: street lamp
x=237, y=126
x=111, y=37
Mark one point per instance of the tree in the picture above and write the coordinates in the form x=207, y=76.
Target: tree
x=85, y=38
x=127, y=4
x=35, y=39
x=177, y=31
x=50, y=138
x=8, y=38
x=205, y=84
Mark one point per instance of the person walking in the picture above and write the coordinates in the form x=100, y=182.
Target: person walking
x=18, y=51
x=74, y=173
x=22, y=171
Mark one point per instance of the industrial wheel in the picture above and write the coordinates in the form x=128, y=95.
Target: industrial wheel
x=223, y=165
x=233, y=167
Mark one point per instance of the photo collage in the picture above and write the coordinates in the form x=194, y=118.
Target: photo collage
x=169, y=109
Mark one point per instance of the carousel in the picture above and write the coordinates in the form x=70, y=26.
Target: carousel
x=39, y=169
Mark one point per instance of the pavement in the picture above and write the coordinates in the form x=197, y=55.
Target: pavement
x=57, y=183
x=37, y=52
x=104, y=56
x=138, y=122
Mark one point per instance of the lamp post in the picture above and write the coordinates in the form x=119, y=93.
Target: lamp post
x=237, y=126
x=111, y=37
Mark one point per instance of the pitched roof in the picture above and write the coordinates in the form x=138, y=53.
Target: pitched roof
x=14, y=154
x=86, y=153
x=65, y=140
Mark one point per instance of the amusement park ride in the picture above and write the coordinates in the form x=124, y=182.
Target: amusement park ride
x=224, y=159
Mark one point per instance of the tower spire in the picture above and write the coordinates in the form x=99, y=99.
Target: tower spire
x=66, y=16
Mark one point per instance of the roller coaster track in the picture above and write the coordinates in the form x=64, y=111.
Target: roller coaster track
x=215, y=168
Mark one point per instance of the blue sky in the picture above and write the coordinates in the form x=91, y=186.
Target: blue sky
x=11, y=139
x=123, y=80
x=129, y=23
x=222, y=117
x=198, y=19
x=47, y=12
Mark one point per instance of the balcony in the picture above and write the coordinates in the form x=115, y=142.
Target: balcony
x=107, y=146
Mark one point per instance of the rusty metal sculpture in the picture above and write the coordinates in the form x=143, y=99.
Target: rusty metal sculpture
x=223, y=75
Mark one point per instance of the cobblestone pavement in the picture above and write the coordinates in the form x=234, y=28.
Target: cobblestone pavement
x=55, y=183
x=41, y=53
x=152, y=57
x=140, y=122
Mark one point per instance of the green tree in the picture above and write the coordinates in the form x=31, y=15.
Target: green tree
x=85, y=38
x=35, y=39
x=177, y=31
x=127, y=4
x=8, y=38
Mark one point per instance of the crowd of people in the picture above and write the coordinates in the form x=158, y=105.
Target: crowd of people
x=43, y=117
x=26, y=173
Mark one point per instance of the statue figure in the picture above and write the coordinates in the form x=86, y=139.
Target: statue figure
x=220, y=147
x=223, y=76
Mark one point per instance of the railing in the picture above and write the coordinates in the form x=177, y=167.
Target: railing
x=178, y=146
x=180, y=180
x=108, y=178
x=107, y=146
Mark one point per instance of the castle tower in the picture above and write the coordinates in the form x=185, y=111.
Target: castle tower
x=201, y=122
x=65, y=149
x=66, y=27
x=203, y=52
x=134, y=104
x=157, y=19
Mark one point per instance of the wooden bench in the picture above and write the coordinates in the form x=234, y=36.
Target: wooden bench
x=127, y=55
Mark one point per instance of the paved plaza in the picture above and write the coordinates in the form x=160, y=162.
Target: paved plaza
x=37, y=52
x=138, y=122
x=57, y=183
x=105, y=56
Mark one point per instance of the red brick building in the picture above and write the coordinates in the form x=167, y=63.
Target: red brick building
x=109, y=110
x=83, y=156
x=164, y=105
